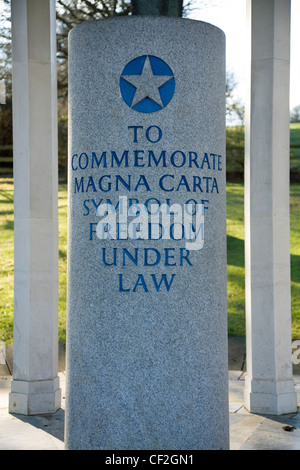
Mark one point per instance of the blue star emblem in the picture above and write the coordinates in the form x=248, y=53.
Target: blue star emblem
x=147, y=84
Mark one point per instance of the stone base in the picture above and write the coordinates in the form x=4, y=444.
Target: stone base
x=36, y=397
x=270, y=397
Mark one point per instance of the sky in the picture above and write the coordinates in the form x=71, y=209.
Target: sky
x=230, y=16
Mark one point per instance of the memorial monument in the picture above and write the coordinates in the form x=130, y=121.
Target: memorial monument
x=147, y=311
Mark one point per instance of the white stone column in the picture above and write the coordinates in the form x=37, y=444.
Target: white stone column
x=269, y=383
x=35, y=386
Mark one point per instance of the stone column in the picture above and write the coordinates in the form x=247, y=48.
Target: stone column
x=35, y=385
x=147, y=312
x=269, y=383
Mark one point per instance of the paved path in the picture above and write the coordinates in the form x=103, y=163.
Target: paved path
x=247, y=431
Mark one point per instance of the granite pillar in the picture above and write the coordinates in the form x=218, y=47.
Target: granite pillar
x=147, y=310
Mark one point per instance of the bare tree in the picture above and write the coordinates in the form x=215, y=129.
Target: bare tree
x=233, y=104
x=295, y=114
x=5, y=46
x=70, y=13
x=73, y=12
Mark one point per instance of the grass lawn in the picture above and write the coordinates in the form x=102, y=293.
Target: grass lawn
x=235, y=243
x=62, y=221
x=235, y=259
x=295, y=258
x=6, y=259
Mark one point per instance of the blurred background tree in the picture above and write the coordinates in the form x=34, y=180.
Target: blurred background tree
x=295, y=114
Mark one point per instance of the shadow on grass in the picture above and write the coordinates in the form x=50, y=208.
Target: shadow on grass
x=62, y=254
x=295, y=268
x=235, y=251
x=9, y=225
x=5, y=213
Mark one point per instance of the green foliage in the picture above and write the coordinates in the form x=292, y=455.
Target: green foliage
x=6, y=123
x=63, y=148
x=235, y=153
x=235, y=149
x=6, y=147
x=295, y=151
